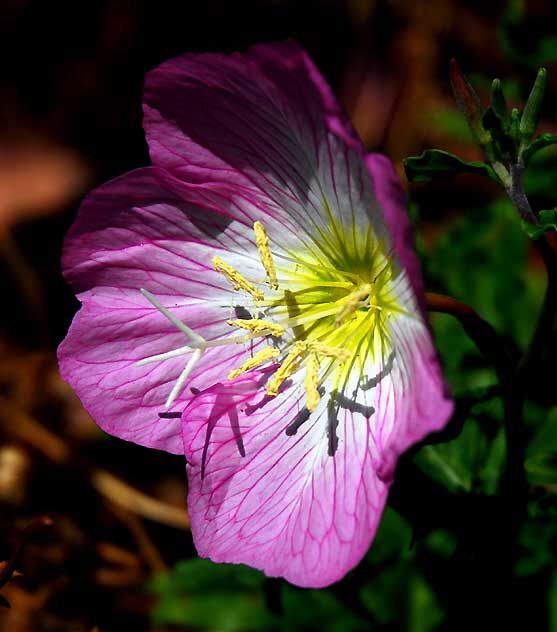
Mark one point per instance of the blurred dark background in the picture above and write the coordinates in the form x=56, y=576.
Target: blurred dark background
x=70, y=119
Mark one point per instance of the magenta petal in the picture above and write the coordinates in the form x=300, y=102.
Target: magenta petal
x=237, y=139
x=393, y=202
x=240, y=114
x=412, y=400
x=131, y=234
x=259, y=136
x=298, y=495
x=264, y=489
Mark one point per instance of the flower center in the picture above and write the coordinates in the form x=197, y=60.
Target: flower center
x=316, y=316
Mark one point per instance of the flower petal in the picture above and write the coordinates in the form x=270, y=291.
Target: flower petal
x=415, y=401
x=393, y=202
x=117, y=246
x=299, y=495
x=260, y=137
x=269, y=486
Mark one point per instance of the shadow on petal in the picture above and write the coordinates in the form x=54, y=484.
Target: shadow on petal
x=372, y=382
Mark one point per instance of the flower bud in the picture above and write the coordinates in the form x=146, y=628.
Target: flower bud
x=532, y=110
x=468, y=103
x=498, y=101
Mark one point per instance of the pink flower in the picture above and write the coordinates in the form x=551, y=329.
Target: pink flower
x=252, y=300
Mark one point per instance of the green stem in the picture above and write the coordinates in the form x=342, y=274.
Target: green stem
x=544, y=328
x=515, y=191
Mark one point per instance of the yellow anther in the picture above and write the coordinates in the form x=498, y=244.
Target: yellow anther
x=353, y=301
x=262, y=243
x=329, y=352
x=238, y=281
x=257, y=326
x=287, y=367
x=311, y=381
x=261, y=356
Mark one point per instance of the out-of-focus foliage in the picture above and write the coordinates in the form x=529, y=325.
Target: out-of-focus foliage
x=470, y=261
x=518, y=41
x=473, y=461
x=74, y=85
x=387, y=590
x=213, y=596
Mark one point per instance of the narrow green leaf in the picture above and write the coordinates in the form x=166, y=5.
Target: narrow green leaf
x=438, y=163
x=542, y=141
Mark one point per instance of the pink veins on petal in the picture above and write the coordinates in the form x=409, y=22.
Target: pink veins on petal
x=252, y=300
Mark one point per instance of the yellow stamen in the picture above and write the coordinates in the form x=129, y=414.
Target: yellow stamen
x=352, y=303
x=287, y=367
x=262, y=243
x=311, y=381
x=257, y=326
x=238, y=281
x=258, y=358
x=329, y=352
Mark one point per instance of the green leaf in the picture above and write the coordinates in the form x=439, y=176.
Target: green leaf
x=542, y=141
x=503, y=145
x=425, y=614
x=392, y=540
x=536, y=542
x=474, y=459
x=542, y=468
x=541, y=453
x=547, y=220
x=211, y=596
x=317, y=610
x=493, y=122
x=438, y=163
x=440, y=466
x=470, y=260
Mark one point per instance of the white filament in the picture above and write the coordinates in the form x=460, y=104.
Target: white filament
x=198, y=348
x=196, y=356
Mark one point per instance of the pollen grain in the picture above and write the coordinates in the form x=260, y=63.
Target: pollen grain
x=329, y=352
x=311, y=381
x=262, y=243
x=257, y=326
x=287, y=367
x=353, y=302
x=261, y=356
x=239, y=282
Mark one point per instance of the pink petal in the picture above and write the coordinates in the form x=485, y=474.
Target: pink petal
x=393, y=202
x=305, y=505
x=260, y=137
x=415, y=401
x=264, y=490
x=131, y=234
